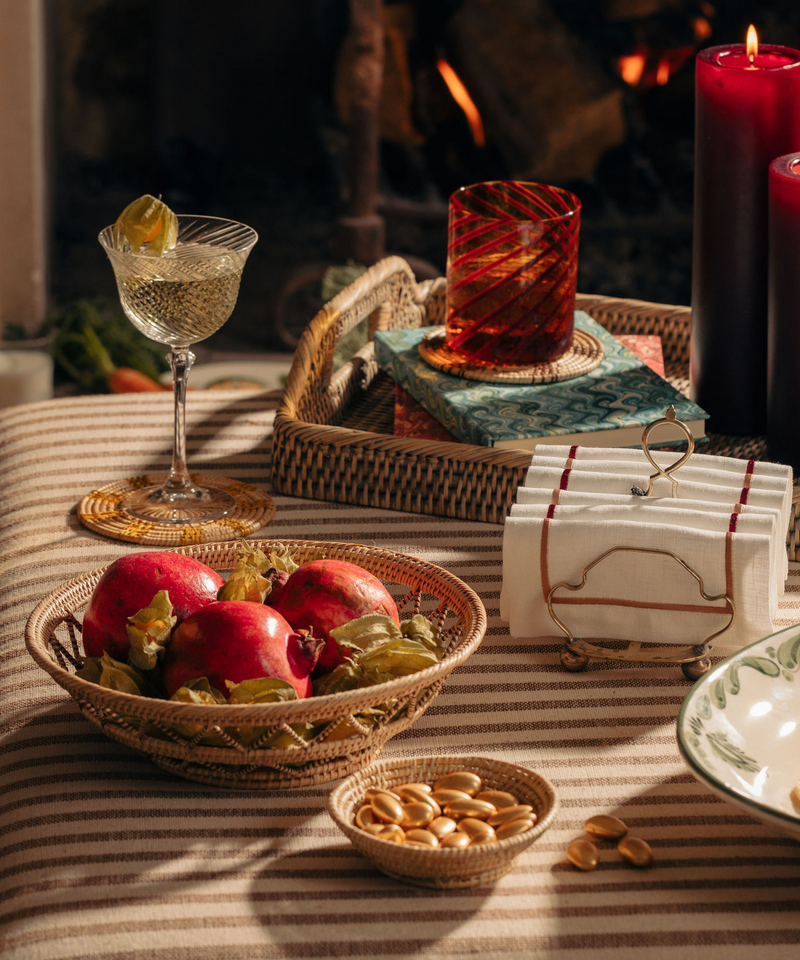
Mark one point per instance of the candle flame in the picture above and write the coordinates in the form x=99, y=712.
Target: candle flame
x=662, y=74
x=752, y=43
x=464, y=100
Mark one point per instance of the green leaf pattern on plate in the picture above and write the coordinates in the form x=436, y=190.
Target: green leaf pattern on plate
x=730, y=753
x=728, y=684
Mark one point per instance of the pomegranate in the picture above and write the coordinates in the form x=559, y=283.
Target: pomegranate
x=238, y=640
x=323, y=594
x=130, y=584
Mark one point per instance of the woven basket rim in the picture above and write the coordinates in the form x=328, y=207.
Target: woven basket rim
x=46, y=616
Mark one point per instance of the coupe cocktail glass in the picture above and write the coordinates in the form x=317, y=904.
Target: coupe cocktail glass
x=179, y=299
x=512, y=266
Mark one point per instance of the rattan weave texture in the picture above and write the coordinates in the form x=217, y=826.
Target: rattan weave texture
x=333, y=432
x=342, y=743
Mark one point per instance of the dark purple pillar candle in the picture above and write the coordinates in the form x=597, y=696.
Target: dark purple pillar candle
x=783, y=370
x=747, y=115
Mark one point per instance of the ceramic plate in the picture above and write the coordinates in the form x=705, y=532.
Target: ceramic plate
x=739, y=729
x=237, y=374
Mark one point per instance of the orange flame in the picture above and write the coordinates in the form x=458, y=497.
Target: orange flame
x=752, y=43
x=631, y=68
x=662, y=74
x=464, y=100
x=702, y=28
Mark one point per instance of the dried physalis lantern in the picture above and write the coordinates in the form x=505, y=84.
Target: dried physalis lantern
x=148, y=226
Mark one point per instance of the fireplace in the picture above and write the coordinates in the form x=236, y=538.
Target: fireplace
x=247, y=115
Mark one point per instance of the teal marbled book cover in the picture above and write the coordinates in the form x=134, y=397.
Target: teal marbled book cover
x=622, y=395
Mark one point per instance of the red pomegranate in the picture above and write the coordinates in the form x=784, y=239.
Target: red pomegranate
x=238, y=640
x=130, y=583
x=323, y=594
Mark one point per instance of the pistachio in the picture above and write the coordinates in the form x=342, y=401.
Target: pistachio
x=374, y=828
x=794, y=794
x=457, y=839
x=416, y=814
x=393, y=833
x=470, y=808
x=513, y=827
x=442, y=827
x=375, y=791
x=387, y=808
x=424, y=837
x=365, y=817
x=443, y=797
x=424, y=787
x=636, y=851
x=604, y=827
x=483, y=838
x=414, y=791
x=498, y=798
x=512, y=813
x=474, y=828
x=460, y=780
x=583, y=854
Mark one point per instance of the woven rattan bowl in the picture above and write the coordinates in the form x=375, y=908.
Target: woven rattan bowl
x=443, y=868
x=340, y=743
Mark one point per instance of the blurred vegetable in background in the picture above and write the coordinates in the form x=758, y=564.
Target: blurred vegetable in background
x=98, y=348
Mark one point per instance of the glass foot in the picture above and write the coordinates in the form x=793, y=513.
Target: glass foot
x=192, y=505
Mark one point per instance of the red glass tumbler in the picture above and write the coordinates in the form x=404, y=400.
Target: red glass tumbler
x=512, y=267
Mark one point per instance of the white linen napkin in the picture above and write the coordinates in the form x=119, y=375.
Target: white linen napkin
x=733, y=465
x=651, y=512
x=633, y=596
x=620, y=482
x=531, y=496
x=708, y=472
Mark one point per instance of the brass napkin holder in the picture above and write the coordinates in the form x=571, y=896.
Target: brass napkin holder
x=576, y=653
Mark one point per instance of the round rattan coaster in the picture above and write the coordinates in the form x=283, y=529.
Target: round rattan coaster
x=584, y=355
x=100, y=511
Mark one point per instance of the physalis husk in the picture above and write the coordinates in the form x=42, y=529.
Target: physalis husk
x=149, y=221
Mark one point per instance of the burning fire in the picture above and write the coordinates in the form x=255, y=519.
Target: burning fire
x=631, y=68
x=752, y=43
x=464, y=100
x=648, y=65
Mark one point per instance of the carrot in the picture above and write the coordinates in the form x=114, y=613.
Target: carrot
x=128, y=380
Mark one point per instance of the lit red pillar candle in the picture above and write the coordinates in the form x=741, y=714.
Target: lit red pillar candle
x=748, y=113
x=783, y=379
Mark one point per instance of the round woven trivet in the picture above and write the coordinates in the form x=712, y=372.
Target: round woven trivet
x=584, y=355
x=100, y=511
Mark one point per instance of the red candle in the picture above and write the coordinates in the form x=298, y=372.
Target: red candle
x=783, y=370
x=748, y=113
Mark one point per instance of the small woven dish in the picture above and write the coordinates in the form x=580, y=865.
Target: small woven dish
x=228, y=745
x=443, y=869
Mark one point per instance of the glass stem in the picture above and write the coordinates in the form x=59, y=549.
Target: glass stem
x=181, y=360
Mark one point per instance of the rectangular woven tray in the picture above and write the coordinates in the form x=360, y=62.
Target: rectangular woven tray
x=333, y=431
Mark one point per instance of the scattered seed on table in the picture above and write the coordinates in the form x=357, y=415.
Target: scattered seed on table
x=583, y=854
x=604, y=827
x=636, y=851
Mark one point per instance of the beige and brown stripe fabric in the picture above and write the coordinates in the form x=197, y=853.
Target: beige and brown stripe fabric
x=105, y=856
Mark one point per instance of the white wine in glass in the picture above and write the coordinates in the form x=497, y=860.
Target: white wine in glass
x=180, y=298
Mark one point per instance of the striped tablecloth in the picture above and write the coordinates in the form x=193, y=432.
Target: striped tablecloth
x=104, y=855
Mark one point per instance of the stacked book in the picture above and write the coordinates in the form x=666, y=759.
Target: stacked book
x=728, y=523
x=609, y=406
